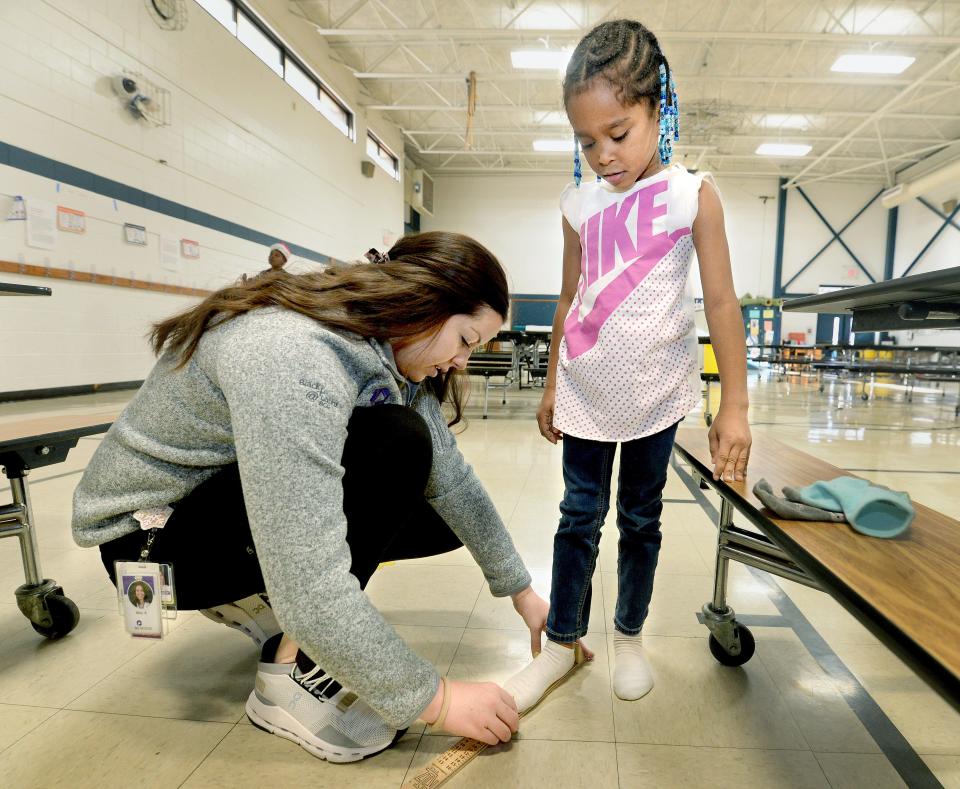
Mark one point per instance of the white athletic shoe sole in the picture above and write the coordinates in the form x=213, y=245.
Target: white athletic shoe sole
x=275, y=720
x=251, y=616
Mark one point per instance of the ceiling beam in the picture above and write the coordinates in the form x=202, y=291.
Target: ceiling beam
x=539, y=170
x=349, y=12
x=532, y=34
x=916, y=155
x=865, y=161
x=767, y=109
x=876, y=115
x=684, y=79
x=785, y=134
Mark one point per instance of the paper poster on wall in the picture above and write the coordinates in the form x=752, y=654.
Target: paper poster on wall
x=41, y=224
x=18, y=211
x=70, y=220
x=135, y=234
x=189, y=249
x=170, y=254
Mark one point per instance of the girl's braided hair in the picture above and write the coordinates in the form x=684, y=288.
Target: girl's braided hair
x=626, y=55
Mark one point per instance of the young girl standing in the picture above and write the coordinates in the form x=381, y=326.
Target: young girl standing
x=621, y=359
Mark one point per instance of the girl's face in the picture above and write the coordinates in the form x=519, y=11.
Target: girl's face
x=436, y=351
x=619, y=143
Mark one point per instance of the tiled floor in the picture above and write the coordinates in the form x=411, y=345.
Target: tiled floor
x=98, y=709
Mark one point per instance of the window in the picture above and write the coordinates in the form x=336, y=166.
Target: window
x=223, y=11
x=256, y=36
x=301, y=82
x=259, y=43
x=382, y=156
x=331, y=108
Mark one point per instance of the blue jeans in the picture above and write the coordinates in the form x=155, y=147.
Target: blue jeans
x=587, y=469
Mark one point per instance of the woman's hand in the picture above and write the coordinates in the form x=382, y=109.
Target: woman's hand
x=481, y=710
x=533, y=610
x=730, y=444
x=545, y=416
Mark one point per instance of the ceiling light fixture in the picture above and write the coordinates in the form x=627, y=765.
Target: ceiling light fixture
x=547, y=59
x=783, y=149
x=553, y=146
x=872, y=64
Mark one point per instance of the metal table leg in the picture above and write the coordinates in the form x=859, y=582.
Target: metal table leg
x=731, y=643
x=15, y=521
x=707, y=413
x=40, y=599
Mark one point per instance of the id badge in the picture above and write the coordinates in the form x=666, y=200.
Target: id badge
x=168, y=592
x=140, y=593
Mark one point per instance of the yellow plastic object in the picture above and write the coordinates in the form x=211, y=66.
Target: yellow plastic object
x=869, y=355
x=709, y=360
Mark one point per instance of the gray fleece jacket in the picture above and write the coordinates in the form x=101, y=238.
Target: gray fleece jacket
x=273, y=390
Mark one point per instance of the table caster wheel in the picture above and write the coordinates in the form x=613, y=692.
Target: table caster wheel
x=864, y=396
x=747, y=647
x=64, y=617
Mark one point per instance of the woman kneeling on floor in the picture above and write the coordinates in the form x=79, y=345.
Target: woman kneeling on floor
x=294, y=425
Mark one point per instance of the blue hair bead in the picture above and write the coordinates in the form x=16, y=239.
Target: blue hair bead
x=577, y=172
x=669, y=116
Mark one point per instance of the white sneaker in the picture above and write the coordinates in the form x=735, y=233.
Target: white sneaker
x=316, y=712
x=252, y=615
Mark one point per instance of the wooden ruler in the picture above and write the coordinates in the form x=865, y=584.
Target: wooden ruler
x=466, y=749
x=446, y=764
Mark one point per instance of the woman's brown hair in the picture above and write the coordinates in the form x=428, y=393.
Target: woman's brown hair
x=426, y=279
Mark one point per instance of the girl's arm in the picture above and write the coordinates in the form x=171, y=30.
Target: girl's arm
x=568, y=290
x=730, y=434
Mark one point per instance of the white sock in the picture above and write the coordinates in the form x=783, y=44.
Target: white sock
x=528, y=686
x=632, y=675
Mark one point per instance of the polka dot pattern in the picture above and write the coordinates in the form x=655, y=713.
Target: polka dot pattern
x=636, y=380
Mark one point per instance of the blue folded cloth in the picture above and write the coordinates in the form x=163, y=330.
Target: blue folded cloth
x=871, y=509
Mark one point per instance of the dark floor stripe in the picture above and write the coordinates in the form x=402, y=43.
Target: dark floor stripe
x=757, y=620
x=911, y=768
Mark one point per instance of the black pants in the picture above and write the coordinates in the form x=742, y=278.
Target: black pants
x=386, y=460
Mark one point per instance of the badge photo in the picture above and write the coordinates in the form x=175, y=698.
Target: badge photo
x=139, y=590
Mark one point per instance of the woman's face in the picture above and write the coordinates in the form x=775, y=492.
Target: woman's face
x=276, y=259
x=435, y=352
x=139, y=593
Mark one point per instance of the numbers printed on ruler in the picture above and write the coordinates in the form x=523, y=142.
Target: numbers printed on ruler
x=445, y=765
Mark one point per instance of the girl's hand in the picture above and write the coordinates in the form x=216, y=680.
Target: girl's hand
x=730, y=445
x=545, y=417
